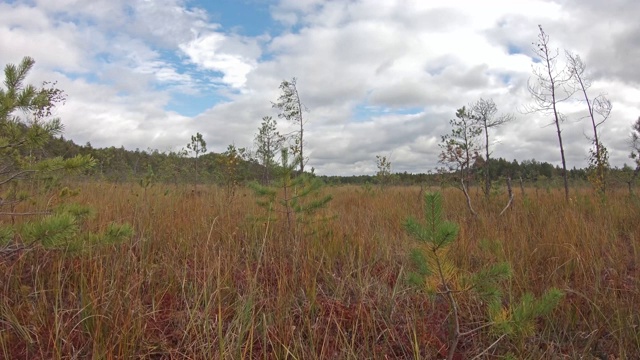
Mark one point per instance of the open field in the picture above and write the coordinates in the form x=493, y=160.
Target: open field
x=202, y=280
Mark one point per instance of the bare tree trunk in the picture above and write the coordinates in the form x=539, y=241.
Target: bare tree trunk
x=483, y=113
x=600, y=105
x=545, y=94
x=291, y=108
x=487, y=176
x=564, y=162
x=557, y=121
x=633, y=179
x=510, y=196
x=466, y=195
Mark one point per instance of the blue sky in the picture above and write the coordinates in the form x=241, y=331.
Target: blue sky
x=378, y=77
x=247, y=17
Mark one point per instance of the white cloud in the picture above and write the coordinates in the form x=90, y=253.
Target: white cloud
x=360, y=65
x=208, y=52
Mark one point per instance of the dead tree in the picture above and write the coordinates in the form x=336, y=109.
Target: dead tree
x=550, y=86
x=600, y=105
x=635, y=151
x=484, y=113
x=291, y=109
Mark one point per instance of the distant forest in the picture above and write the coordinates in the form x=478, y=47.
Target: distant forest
x=120, y=165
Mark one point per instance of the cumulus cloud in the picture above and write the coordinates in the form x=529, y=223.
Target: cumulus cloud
x=377, y=77
x=209, y=51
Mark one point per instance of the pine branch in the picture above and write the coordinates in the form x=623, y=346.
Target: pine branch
x=25, y=213
x=16, y=175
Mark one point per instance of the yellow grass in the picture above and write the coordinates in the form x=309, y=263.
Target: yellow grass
x=202, y=279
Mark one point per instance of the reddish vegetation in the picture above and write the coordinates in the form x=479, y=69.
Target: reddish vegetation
x=201, y=280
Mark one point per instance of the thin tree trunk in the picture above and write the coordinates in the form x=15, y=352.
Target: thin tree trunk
x=564, y=163
x=301, y=130
x=599, y=164
x=466, y=195
x=557, y=122
x=195, y=180
x=487, y=177
x=633, y=178
x=510, y=196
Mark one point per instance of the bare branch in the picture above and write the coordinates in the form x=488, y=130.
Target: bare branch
x=602, y=106
x=25, y=213
x=598, y=157
x=484, y=113
x=550, y=87
x=16, y=175
x=510, y=196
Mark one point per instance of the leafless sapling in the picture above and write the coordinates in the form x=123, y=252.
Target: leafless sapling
x=600, y=105
x=484, y=112
x=291, y=109
x=635, y=150
x=550, y=87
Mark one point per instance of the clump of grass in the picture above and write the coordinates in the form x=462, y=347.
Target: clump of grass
x=198, y=280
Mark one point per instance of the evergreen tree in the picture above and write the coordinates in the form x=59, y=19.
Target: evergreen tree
x=197, y=146
x=435, y=271
x=384, y=170
x=297, y=198
x=460, y=148
x=268, y=142
x=26, y=173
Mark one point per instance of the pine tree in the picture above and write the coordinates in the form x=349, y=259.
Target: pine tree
x=28, y=175
x=296, y=198
x=197, y=146
x=384, y=170
x=434, y=270
x=460, y=149
x=268, y=142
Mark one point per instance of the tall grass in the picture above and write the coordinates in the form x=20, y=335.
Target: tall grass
x=203, y=279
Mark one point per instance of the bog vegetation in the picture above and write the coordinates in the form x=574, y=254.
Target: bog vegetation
x=109, y=253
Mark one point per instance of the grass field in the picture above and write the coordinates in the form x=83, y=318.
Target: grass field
x=202, y=279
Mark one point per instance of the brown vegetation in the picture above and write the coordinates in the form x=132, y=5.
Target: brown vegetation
x=202, y=279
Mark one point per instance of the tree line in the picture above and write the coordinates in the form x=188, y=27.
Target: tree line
x=465, y=151
x=118, y=164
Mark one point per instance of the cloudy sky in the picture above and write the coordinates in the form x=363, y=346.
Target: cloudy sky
x=377, y=76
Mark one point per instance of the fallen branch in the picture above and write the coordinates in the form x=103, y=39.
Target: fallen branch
x=466, y=194
x=25, y=213
x=510, y=196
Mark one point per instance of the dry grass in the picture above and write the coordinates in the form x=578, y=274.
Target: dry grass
x=201, y=280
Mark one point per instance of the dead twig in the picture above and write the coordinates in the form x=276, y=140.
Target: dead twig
x=510, y=196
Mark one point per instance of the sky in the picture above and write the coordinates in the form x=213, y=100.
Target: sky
x=378, y=77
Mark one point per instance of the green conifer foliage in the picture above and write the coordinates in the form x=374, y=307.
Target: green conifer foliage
x=29, y=178
x=434, y=270
x=296, y=199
